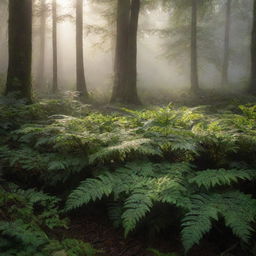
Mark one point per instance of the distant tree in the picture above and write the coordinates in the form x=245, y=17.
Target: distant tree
x=125, y=83
x=41, y=62
x=3, y=37
x=20, y=49
x=132, y=96
x=252, y=87
x=54, y=47
x=226, y=59
x=193, y=47
x=184, y=36
x=80, y=76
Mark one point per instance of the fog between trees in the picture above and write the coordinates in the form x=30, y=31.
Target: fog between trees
x=163, y=54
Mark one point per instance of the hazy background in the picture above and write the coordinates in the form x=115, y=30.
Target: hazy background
x=163, y=48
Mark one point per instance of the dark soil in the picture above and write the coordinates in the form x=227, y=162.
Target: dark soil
x=102, y=235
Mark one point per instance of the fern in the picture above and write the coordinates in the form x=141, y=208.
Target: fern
x=71, y=247
x=23, y=233
x=197, y=221
x=136, y=206
x=165, y=140
x=139, y=185
x=221, y=177
x=121, y=151
x=157, y=253
x=115, y=211
x=90, y=190
x=27, y=214
x=238, y=210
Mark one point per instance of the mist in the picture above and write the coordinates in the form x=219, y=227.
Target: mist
x=163, y=64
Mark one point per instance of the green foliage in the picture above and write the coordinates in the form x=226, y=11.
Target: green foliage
x=213, y=178
x=71, y=247
x=23, y=204
x=25, y=217
x=141, y=185
x=193, y=159
x=238, y=210
x=157, y=253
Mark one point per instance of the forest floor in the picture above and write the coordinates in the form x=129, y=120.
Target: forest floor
x=99, y=231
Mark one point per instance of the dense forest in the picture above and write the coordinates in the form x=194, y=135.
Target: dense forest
x=127, y=127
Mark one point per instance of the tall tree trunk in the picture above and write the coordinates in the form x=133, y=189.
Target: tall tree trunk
x=20, y=48
x=80, y=77
x=131, y=86
x=125, y=84
x=194, y=61
x=54, y=47
x=41, y=63
x=123, y=16
x=225, y=67
x=252, y=88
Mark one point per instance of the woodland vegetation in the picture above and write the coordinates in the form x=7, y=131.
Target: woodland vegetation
x=130, y=169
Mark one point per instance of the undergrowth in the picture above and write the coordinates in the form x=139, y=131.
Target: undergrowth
x=28, y=220
x=199, y=160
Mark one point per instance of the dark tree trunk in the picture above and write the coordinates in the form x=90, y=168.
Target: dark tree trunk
x=131, y=89
x=41, y=64
x=54, y=47
x=80, y=77
x=252, y=88
x=20, y=48
x=125, y=84
x=194, y=61
x=225, y=67
x=123, y=16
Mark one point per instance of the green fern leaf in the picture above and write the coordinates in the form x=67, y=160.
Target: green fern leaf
x=90, y=190
x=213, y=178
x=136, y=207
x=197, y=221
x=238, y=210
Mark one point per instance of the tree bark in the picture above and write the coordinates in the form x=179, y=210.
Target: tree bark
x=123, y=16
x=194, y=60
x=225, y=67
x=131, y=86
x=20, y=49
x=41, y=62
x=125, y=83
x=80, y=77
x=54, y=47
x=252, y=88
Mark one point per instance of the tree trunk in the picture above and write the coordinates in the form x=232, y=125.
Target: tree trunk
x=80, y=77
x=252, y=88
x=41, y=64
x=123, y=16
x=20, y=48
x=131, y=86
x=225, y=67
x=54, y=47
x=194, y=64
x=125, y=84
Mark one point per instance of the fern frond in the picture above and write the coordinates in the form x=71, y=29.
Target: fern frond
x=115, y=211
x=120, y=152
x=90, y=190
x=238, y=210
x=137, y=205
x=213, y=178
x=23, y=233
x=197, y=221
